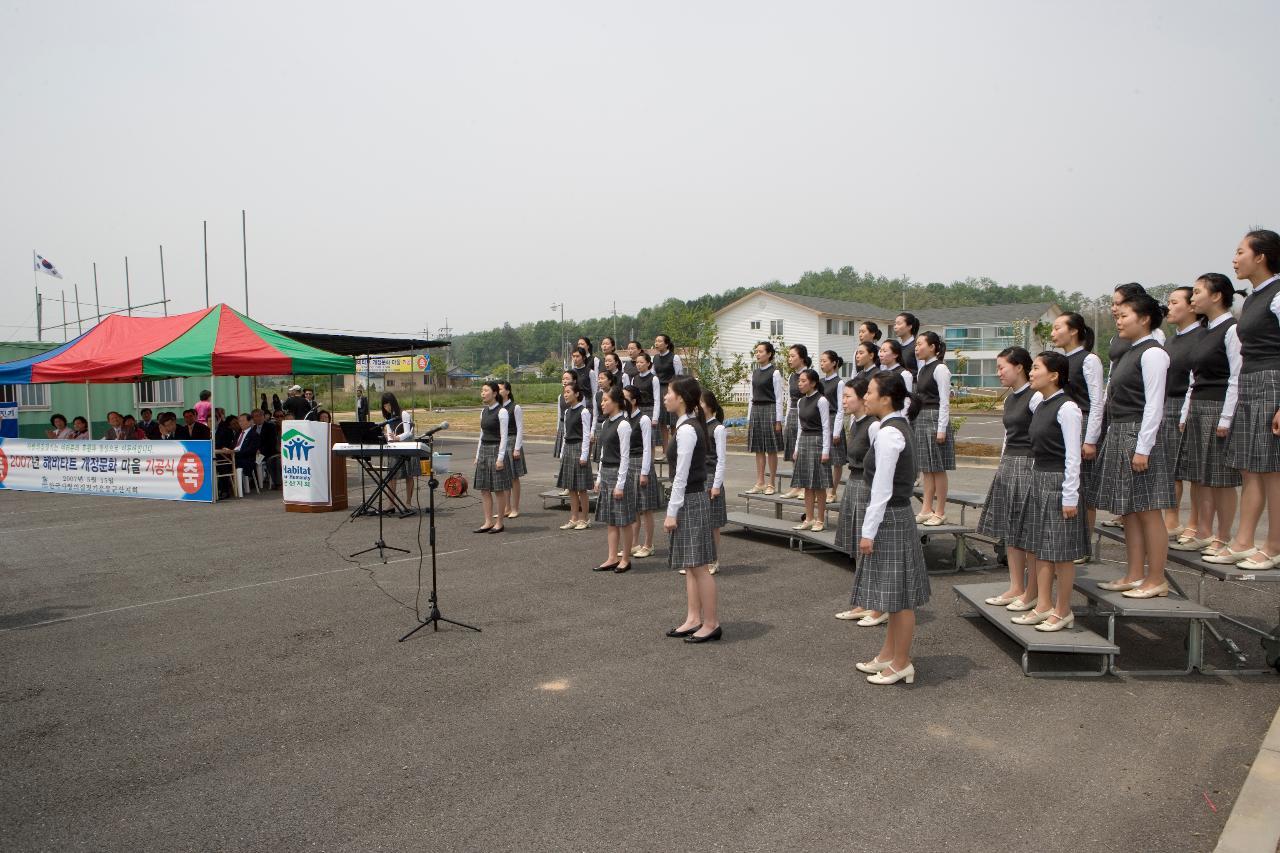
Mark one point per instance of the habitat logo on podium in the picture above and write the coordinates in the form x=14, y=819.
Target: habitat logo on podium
x=297, y=445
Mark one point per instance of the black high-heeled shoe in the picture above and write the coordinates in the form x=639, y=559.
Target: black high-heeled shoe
x=607, y=567
x=676, y=632
x=620, y=568
x=708, y=638
x=496, y=529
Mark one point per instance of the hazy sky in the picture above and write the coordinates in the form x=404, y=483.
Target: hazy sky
x=406, y=162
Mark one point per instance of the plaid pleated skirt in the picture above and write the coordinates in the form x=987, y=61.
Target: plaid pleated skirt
x=1116, y=487
x=930, y=455
x=1050, y=536
x=893, y=576
x=518, y=468
x=1202, y=456
x=488, y=478
x=761, y=437
x=558, y=447
x=809, y=471
x=617, y=512
x=595, y=443
x=1002, y=516
x=790, y=430
x=572, y=476
x=692, y=544
x=853, y=506
x=719, y=509
x=839, y=455
x=665, y=418
x=1252, y=446
x=648, y=498
x=1169, y=439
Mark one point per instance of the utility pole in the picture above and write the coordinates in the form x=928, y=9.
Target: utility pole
x=564, y=358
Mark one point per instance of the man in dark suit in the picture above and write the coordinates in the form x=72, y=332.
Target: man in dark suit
x=268, y=437
x=191, y=429
x=148, y=426
x=248, y=442
x=362, y=405
x=168, y=425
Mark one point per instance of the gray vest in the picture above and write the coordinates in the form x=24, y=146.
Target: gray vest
x=1017, y=423
x=1210, y=364
x=762, y=385
x=904, y=476
x=1259, y=331
x=1126, y=394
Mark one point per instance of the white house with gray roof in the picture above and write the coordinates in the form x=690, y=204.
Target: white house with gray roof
x=973, y=334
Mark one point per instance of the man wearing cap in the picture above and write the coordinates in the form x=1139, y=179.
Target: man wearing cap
x=296, y=405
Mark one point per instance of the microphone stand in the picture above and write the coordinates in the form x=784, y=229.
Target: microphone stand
x=433, y=617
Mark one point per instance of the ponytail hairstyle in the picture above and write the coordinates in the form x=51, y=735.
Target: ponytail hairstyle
x=611, y=341
x=834, y=358
x=1128, y=291
x=1216, y=282
x=939, y=345
x=912, y=321
x=667, y=340
x=580, y=352
x=631, y=398
x=1018, y=357
x=803, y=352
x=1186, y=292
x=648, y=360
x=709, y=400
x=577, y=392
x=891, y=385
x=873, y=327
x=614, y=393
x=768, y=347
x=1056, y=363
x=590, y=350
x=690, y=393
x=872, y=349
x=497, y=391
x=505, y=389
x=895, y=348
x=1144, y=305
x=859, y=384
x=617, y=360
x=605, y=376
x=1267, y=244
x=1084, y=332
x=568, y=373
x=812, y=375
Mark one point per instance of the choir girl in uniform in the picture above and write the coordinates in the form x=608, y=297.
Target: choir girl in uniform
x=1055, y=532
x=832, y=387
x=666, y=366
x=866, y=358
x=616, y=503
x=892, y=576
x=1180, y=349
x=593, y=361
x=648, y=489
x=891, y=355
x=1002, y=514
x=515, y=446
x=688, y=521
x=611, y=363
x=565, y=379
x=1131, y=477
x=575, y=473
x=650, y=390
x=797, y=359
x=935, y=439
x=853, y=506
x=604, y=381
x=869, y=333
x=608, y=345
x=629, y=367
x=906, y=327
x=1207, y=417
x=1084, y=387
x=717, y=458
x=493, y=473
x=812, y=468
x=586, y=376
x=399, y=427
x=1254, y=446
x=764, y=417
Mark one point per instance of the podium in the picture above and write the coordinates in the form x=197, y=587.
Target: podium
x=315, y=480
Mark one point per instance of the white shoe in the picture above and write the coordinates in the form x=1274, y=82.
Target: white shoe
x=713, y=568
x=1260, y=562
x=1060, y=624
x=1161, y=591
x=642, y=552
x=1120, y=585
x=935, y=520
x=582, y=525
x=1190, y=543
x=1032, y=617
x=851, y=615
x=569, y=525
x=755, y=490
x=872, y=666
x=1113, y=522
x=1229, y=557
x=1176, y=533
x=620, y=554
x=804, y=525
x=817, y=527
x=1002, y=600
x=892, y=676
x=922, y=517
x=869, y=621
x=564, y=492
x=1018, y=605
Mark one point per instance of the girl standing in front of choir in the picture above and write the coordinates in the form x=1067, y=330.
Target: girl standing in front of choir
x=575, y=473
x=1180, y=348
x=1056, y=536
x=493, y=474
x=1207, y=418
x=688, y=521
x=866, y=358
x=935, y=440
x=892, y=577
x=832, y=388
x=666, y=366
x=1131, y=477
x=399, y=427
x=648, y=489
x=764, y=418
x=515, y=446
x=812, y=468
x=717, y=459
x=1084, y=388
x=1002, y=514
x=1254, y=445
x=797, y=359
x=853, y=506
x=616, y=503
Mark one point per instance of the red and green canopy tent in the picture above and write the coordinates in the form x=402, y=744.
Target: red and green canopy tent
x=217, y=341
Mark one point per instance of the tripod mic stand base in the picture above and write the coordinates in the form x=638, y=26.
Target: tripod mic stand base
x=434, y=619
x=380, y=546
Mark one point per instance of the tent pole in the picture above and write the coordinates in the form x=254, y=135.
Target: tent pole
x=213, y=445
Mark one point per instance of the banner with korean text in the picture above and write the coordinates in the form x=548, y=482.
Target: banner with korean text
x=160, y=470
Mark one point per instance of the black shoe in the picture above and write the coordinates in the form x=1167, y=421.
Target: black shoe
x=676, y=632
x=607, y=567
x=482, y=530
x=619, y=569
x=714, y=635
x=496, y=529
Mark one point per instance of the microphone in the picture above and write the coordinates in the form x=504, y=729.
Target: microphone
x=435, y=429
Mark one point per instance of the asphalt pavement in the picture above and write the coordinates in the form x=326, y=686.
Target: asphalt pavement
x=183, y=677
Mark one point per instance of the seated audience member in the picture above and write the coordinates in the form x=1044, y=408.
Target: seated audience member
x=79, y=428
x=224, y=444
x=278, y=416
x=269, y=446
x=168, y=423
x=131, y=430
x=147, y=425
x=248, y=440
x=60, y=428
x=323, y=416
x=115, y=428
x=191, y=429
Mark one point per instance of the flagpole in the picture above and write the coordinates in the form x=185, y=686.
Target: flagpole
x=96, y=304
x=244, y=242
x=206, y=263
x=164, y=296
x=64, y=315
x=79, y=327
x=36, y=284
x=128, y=300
